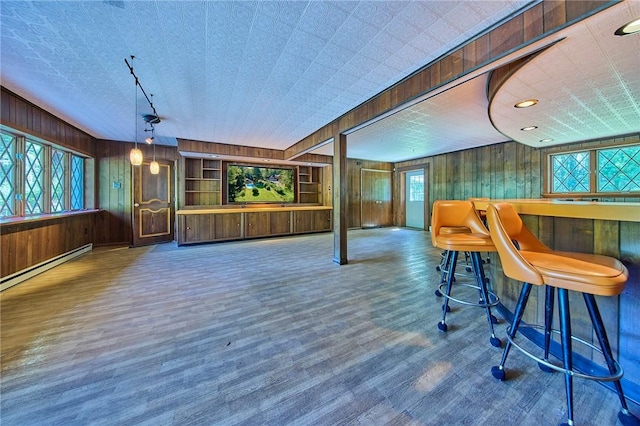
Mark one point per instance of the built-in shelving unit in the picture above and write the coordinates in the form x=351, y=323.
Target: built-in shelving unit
x=309, y=185
x=202, y=182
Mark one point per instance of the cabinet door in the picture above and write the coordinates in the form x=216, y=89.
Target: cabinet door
x=257, y=224
x=280, y=223
x=228, y=226
x=199, y=228
x=303, y=221
x=322, y=220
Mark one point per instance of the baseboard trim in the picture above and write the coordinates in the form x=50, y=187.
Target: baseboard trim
x=25, y=274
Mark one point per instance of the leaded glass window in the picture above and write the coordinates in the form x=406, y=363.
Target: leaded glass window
x=619, y=169
x=34, y=178
x=57, y=180
x=7, y=175
x=570, y=172
x=77, y=182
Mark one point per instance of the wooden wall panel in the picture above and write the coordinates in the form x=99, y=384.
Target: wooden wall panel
x=23, y=116
x=26, y=244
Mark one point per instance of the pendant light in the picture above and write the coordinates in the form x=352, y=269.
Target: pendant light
x=154, y=167
x=135, y=156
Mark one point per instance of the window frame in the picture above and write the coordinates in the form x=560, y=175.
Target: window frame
x=593, y=172
x=19, y=177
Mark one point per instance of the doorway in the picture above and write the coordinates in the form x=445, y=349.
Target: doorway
x=414, y=199
x=153, y=212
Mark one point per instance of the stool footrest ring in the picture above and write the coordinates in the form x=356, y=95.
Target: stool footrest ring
x=617, y=375
x=493, y=298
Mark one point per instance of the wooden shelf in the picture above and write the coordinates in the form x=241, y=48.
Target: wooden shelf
x=202, y=182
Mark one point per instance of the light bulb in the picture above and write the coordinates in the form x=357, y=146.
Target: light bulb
x=135, y=156
x=154, y=167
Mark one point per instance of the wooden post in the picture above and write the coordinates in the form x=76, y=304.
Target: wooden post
x=340, y=199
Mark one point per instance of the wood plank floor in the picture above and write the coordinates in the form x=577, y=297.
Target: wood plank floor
x=264, y=332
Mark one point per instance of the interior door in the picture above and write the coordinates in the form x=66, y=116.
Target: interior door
x=153, y=211
x=414, y=199
x=375, y=190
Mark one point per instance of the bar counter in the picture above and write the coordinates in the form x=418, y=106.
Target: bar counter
x=629, y=212
x=607, y=228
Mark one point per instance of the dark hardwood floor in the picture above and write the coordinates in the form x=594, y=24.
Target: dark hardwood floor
x=265, y=332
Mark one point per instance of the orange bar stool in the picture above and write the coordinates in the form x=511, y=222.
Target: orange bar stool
x=525, y=258
x=447, y=214
x=443, y=256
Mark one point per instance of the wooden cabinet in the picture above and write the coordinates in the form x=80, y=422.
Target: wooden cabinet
x=279, y=223
x=257, y=224
x=202, y=182
x=200, y=226
x=197, y=228
x=228, y=226
x=262, y=224
x=306, y=221
x=309, y=184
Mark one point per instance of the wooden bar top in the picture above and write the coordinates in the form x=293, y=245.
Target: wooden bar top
x=249, y=209
x=626, y=212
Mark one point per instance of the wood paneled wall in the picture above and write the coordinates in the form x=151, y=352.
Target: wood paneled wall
x=28, y=243
x=113, y=175
x=24, y=116
x=500, y=171
x=354, y=197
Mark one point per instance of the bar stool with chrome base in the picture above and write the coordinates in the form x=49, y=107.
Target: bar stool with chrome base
x=525, y=258
x=448, y=214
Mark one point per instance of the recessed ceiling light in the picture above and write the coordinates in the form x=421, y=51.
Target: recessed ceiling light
x=266, y=161
x=546, y=140
x=526, y=104
x=526, y=129
x=632, y=27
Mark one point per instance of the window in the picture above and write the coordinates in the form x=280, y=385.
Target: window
x=619, y=169
x=57, y=181
x=611, y=170
x=571, y=172
x=416, y=188
x=37, y=178
x=7, y=175
x=77, y=182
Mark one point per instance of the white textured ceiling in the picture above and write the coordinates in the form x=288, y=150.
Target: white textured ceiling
x=587, y=84
x=262, y=73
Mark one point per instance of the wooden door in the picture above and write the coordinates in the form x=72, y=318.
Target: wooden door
x=153, y=209
x=375, y=190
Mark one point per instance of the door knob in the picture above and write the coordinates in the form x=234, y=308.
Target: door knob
x=136, y=205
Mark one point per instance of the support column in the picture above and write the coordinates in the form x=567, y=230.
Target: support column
x=340, y=199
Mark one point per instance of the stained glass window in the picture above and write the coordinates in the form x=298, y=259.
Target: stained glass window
x=77, y=182
x=57, y=180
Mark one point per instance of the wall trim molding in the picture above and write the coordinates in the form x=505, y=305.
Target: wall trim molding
x=25, y=274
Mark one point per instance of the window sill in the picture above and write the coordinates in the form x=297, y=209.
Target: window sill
x=44, y=217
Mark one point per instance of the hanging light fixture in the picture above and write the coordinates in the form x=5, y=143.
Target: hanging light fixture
x=135, y=156
x=154, y=167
